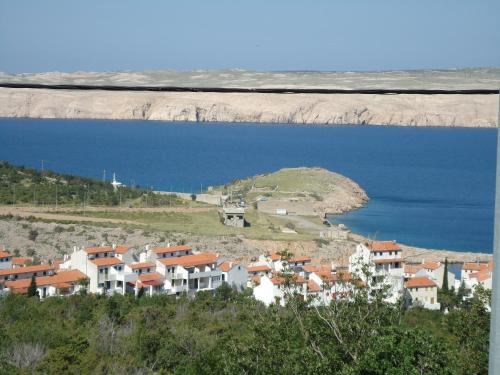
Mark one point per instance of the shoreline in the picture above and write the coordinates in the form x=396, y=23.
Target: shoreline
x=440, y=110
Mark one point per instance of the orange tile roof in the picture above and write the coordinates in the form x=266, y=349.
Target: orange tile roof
x=388, y=260
x=260, y=268
x=275, y=257
x=412, y=268
x=191, y=260
x=135, y=266
x=29, y=269
x=313, y=287
x=62, y=277
x=108, y=261
x=226, y=266
x=383, y=246
x=150, y=276
x=121, y=249
x=481, y=275
x=256, y=280
x=416, y=282
x=95, y=250
x=4, y=254
x=173, y=249
x=300, y=258
x=431, y=265
x=311, y=268
x=294, y=279
x=20, y=261
x=473, y=266
x=57, y=263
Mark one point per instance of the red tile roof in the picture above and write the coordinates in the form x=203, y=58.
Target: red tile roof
x=300, y=258
x=109, y=261
x=150, y=276
x=255, y=280
x=423, y=281
x=383, y=246
x=481, y=275
x=259, y=268
x=431, y=265
x=135, y=266
x=388, y=260
x=20, y=261
x=95, y=250
x=121, y=249
x=313, y=287
x=62, y=277
x=4, y=254
x=473, y=266
x=29, y=269
x=275, y=257
x=191, y=260
x=412, y=268
x=173, y=249
x=226, y=266
x=311, y=268
x=294, y=279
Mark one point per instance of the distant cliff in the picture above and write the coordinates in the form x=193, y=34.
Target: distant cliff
x=404, y=110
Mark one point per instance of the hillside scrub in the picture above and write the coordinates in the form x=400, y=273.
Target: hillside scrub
x=230, y=332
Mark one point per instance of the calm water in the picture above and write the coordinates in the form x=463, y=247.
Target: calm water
x=429, y=187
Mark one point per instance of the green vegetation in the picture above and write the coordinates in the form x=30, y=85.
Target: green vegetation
x=302, y=183
x=207, y=222
x=231, y=333
x=20, y=185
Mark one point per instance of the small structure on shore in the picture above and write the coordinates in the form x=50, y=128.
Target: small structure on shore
x=233, y=216
x=340, y=232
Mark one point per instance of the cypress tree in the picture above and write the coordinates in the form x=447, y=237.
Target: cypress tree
x=141, y=292
x=32, y=289
x=445, y=276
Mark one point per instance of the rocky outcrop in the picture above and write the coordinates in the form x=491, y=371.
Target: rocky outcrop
x=356, y=109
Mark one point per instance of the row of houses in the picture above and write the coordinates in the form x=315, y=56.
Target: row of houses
x=119, y=269
x=176, y=270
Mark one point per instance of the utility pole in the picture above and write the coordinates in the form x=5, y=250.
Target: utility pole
x=494, y=358
x=42, y=164
x=14, y=200
x=104, y=175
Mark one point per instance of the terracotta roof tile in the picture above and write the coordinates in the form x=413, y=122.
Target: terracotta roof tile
x=61, y=277
x=121, y=249
x=4, y=254
x=109, y=261
x=95, y=250
x=431, y=265
x=191, y=260
x=226, y=266
x=150, y=276
x=275, y=257
x=412, y=268
x=20, y=261
x=416, y=282
x=383, y=246
x=313, y=287
x=294, y=279
x=135, y=266
x=29, y=269
x=388, y=260
x=259, y=268
x=311, y=268
x=473, y=266
x=300, y=258
x=173, y=249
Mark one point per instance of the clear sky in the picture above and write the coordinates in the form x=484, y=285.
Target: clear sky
x=109, y=35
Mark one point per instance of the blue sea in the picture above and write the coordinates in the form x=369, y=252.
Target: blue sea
x=428, y=187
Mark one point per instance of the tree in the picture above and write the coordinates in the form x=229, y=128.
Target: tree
x=32, y=289
x=193, y=197
x=140, y=293
x=445, y=276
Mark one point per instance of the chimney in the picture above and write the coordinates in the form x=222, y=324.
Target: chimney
x=113, y=246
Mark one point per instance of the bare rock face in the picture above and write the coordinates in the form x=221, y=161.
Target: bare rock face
x=355, y=109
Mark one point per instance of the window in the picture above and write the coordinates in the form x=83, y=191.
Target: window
x=101, y=270
x=216, y=278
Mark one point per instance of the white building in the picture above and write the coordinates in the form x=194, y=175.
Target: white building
x=5, y=260
x=423, y=291
x=379, y=264
x=26, y=272
x=60, y=284
x=235, y=275
x=474, y=274
x=189, y=273
x=273, y=290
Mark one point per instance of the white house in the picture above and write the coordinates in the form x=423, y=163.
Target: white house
x=435, y=271
x=236, y=275
x=379, y=264
x=5, y=260
x=259, y=270
x=106, y=272
x=26, y=272
x=60, y=284
x=273, y=290
x=422, y=290
x=190, y=273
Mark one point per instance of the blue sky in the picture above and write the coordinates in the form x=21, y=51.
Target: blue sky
x=106, y=35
